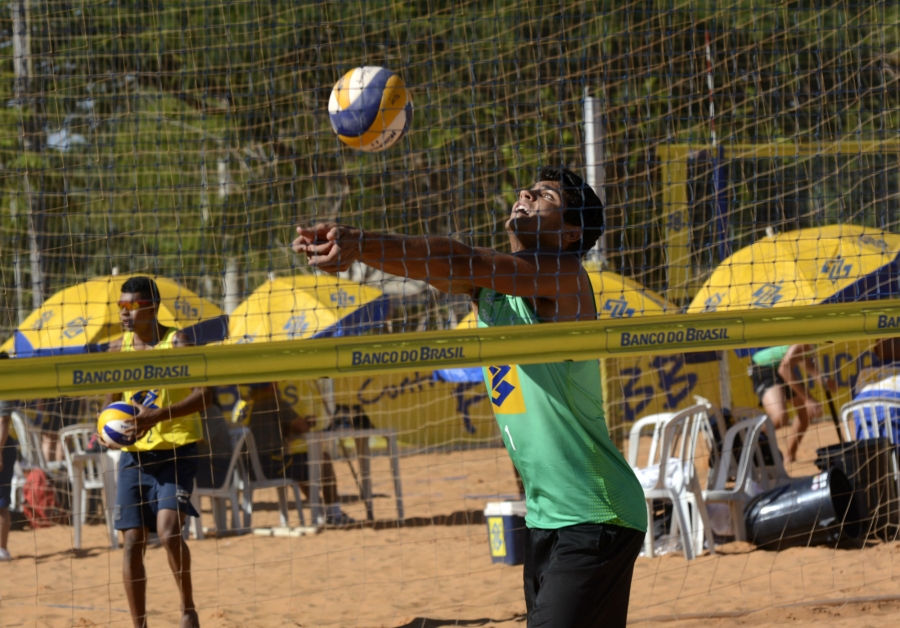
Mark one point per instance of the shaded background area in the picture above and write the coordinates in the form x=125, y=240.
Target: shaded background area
x=187, y=140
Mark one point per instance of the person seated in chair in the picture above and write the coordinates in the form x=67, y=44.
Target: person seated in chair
x=215, y=449
x=278, y=431
x=881, y=382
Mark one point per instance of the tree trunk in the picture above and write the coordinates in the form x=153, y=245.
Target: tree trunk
x=29, y=140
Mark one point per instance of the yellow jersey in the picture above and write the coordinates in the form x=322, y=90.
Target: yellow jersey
x=167, y=434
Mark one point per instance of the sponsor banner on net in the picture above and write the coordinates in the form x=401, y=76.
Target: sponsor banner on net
x=685, y=337
x=882, y=321
x=437, y=353
x=175, y=372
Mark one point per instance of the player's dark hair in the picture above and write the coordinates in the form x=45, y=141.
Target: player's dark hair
x=143, y=286
x=583, y=207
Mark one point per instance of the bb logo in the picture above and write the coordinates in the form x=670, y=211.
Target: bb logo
x=713, y=302
x=676, y=221
x=766, y=296
x=39, y=324
x=837, y=269
x=75, y=327
x=342, y=299
x=618, y=308
x=506, y=392
x=498, y=540
x=295, y=326
x=146, y=398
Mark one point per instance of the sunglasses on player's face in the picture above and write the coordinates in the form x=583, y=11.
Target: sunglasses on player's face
x=131, y=306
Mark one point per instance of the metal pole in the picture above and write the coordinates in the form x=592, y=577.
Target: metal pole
x=594, y=162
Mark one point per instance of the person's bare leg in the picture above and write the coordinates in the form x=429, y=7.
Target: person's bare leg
x=773, y=404
x=797, y=430
x=169, y=524
x=49, y=446
x=5, y=524
x=803, y=419
x=134, y=576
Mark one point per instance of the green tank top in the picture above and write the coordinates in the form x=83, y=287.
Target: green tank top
x=771, y=356
x=551, y=420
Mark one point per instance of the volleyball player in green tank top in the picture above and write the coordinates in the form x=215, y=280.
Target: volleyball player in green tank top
x=586, y=512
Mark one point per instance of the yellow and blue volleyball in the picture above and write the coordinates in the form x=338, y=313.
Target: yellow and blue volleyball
x=370, y=108
x=113, y=421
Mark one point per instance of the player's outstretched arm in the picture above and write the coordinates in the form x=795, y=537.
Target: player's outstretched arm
x=441, y=261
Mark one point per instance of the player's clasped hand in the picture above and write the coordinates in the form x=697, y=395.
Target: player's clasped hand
x=143, y=422
x=329, y=246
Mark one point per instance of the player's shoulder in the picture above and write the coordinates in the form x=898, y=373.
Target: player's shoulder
x=115, y=345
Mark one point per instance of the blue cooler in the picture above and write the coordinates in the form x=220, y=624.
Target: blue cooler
x=506, y=531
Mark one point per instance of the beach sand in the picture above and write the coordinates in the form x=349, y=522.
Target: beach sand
x=436, y=569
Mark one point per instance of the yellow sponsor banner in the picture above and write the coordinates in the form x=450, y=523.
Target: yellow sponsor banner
x=661, y=334
x=642, y=385
x=174, y=372
x=439, y=352
x=425, y=411
x=517, y=344
x=882, y=321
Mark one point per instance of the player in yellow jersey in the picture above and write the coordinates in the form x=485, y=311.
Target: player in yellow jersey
x=156, y=474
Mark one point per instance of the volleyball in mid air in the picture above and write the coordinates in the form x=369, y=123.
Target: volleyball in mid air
x=113, y=421
x=370, y=108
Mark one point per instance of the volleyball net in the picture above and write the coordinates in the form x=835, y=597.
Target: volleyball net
x=746, y=156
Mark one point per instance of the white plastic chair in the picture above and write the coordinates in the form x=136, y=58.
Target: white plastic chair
x=31, y=457
x=256, y=480
x=227, y=491
x=30, y=447
x=88, y=471
x=676, y=478
x=748, y=469
x=648, y=423
x=875, y=415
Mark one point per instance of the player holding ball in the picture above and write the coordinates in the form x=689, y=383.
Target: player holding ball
x=586, y=514
x=156, y=473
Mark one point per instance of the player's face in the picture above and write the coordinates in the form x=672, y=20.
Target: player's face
x=136, y=311
x=536, y=219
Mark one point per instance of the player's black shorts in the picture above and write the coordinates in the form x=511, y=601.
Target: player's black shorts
x=580, y=576
x=150, y=481
x=765, y=377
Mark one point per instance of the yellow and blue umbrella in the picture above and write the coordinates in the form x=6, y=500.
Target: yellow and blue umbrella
x=834, y=264
x=306, y=306
x=615, y=296
x=84, y=317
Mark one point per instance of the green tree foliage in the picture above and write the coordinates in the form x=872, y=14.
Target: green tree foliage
x=198, y=131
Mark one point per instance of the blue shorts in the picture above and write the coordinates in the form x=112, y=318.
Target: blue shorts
x=8, y=454
x=150, y=481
